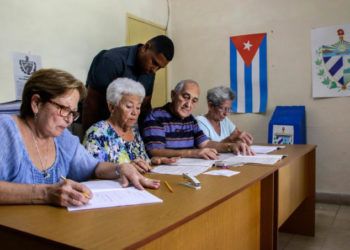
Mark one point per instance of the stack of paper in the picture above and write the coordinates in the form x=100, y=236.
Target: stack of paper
x=180, y=169
x=230, y=159
x=194, y=162
x=191, y=166
x=195, y=166
x=112, y=194
x=264, y=149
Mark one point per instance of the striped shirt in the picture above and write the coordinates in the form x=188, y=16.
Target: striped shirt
x=164, y=130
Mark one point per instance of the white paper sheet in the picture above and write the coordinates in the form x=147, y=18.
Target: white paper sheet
x=193, y=162
x=179, y=170
x=111, y=194
x=223, y=172
x=264, y=149
x=258, y=159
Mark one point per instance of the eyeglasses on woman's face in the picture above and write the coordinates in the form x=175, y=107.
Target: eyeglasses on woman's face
x=65, y=111
x=224, y=109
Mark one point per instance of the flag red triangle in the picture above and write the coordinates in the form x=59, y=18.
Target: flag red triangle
x=247, y=45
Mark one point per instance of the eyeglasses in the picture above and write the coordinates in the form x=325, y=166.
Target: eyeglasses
x=65, y=111
x=226, y=110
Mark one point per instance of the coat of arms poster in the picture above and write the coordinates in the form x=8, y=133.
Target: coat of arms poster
x=24, y=65
x=331, y=61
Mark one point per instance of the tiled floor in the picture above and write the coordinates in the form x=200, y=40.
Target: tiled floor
x=332, y=231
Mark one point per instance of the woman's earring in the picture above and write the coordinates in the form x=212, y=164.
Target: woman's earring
x=35, y=116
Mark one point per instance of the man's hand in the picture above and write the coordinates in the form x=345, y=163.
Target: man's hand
x=207, y=153
x=157, y=160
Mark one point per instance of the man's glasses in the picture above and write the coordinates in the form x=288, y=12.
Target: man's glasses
x=65, y=111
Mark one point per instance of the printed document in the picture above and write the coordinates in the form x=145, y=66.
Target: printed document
x=266, y=159
x=179, y=170
x=195, y=166
x=194, y=162
x=264, y=149
x=108, y=193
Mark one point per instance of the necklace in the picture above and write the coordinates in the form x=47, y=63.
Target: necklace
x=121, y=132
x=43, y=168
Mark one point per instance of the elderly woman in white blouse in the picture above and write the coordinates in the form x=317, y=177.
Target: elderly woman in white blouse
x=117, y=139
x=215, y=124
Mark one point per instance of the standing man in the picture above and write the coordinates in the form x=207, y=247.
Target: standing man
x=139, y=62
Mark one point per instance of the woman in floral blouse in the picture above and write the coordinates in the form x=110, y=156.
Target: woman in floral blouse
x=117, y=139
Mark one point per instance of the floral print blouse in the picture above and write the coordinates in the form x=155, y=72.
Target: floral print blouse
x=102, y=141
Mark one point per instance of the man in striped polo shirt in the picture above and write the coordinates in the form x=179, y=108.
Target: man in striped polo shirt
x=172, y=131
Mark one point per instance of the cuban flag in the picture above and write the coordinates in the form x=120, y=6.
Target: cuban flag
x=248, y=72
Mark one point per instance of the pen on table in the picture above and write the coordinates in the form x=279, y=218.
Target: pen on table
x=84, y=193
x=169, y=187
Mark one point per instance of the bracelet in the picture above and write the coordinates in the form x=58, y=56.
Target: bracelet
x=229, y=148
x=117, y=169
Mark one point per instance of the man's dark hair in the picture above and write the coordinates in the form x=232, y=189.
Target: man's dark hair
x=163, y=44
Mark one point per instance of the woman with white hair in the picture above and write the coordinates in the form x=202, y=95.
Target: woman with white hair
x=215, y=123
x=117, y=139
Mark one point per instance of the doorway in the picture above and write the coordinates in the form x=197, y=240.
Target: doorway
x=140, y=31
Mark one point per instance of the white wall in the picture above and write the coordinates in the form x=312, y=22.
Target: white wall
x=201, y=31
x=66, y=33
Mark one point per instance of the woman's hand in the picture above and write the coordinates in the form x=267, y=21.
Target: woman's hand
x=141, y=165
x=241, y=135
x=128, y=173
x=68, y=193
x=241, y=148
x=157, y=160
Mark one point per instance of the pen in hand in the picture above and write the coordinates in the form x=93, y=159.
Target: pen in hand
x=86, y=195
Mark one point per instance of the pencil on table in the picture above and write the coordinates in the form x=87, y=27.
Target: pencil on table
x=169, y=187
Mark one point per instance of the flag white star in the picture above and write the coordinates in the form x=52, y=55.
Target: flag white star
x=247, y=45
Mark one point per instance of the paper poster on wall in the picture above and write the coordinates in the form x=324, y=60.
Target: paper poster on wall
x=248, y=72
x=283, y=134
x=331, y=61
x=24, y=65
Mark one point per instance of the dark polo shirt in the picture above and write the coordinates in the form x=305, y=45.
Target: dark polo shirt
x=114, y=63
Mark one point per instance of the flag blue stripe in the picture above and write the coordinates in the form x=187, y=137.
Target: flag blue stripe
x=248, y=87
x=233, y=73
x=263, y=75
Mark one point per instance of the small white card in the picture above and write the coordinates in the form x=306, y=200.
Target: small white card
x=223, y=172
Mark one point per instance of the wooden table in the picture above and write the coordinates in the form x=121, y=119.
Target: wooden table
x=240, y=212
x=295, y=191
